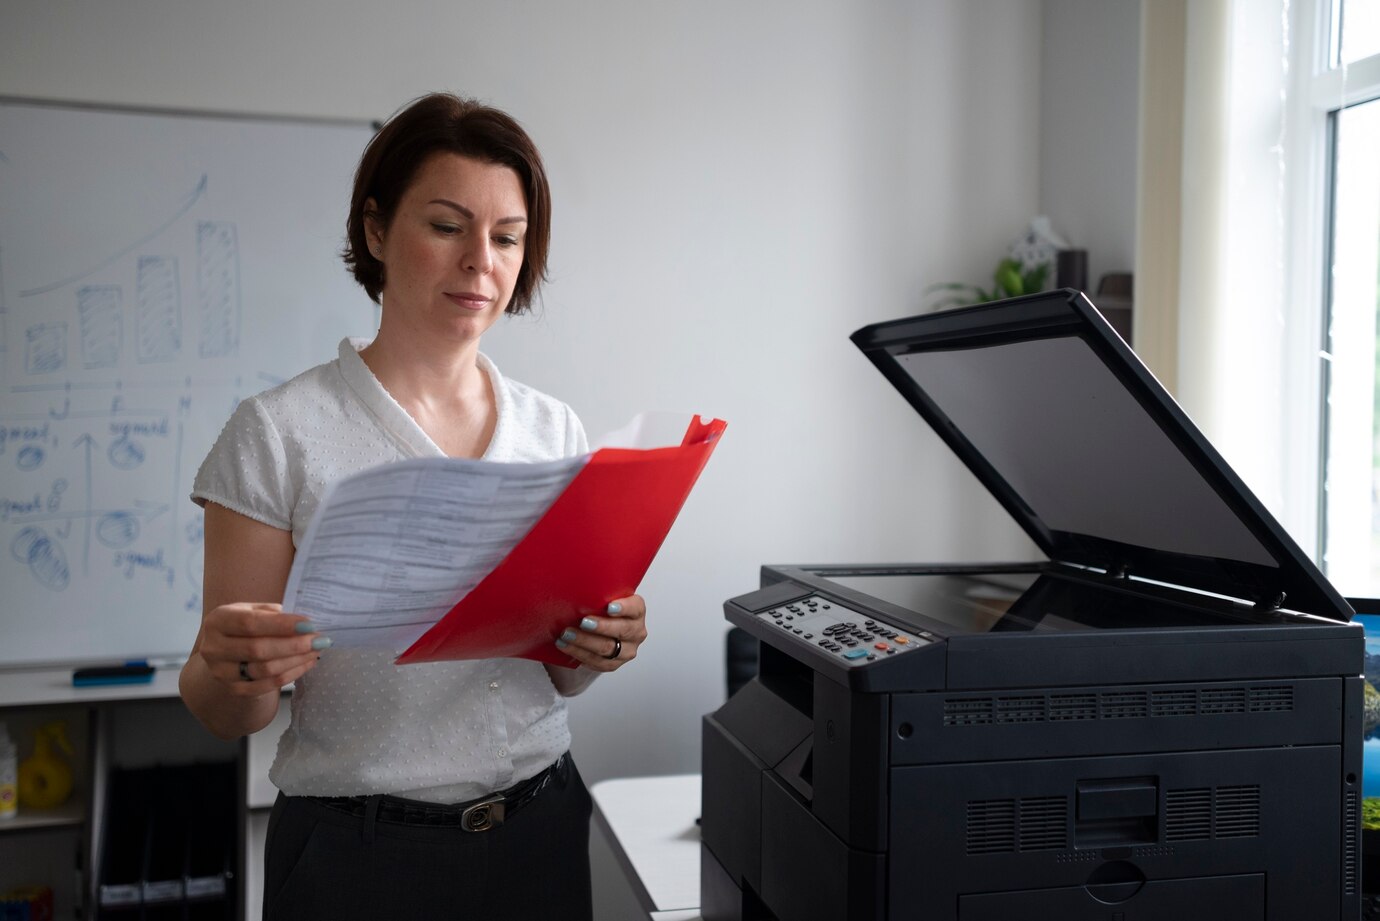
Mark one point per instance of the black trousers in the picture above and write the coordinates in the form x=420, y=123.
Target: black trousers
x=321, y=863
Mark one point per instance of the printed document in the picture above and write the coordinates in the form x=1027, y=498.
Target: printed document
x=393, y=547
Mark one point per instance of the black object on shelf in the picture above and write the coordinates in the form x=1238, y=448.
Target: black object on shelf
x=169, y=843
x=121, y=864
x=1071, y=269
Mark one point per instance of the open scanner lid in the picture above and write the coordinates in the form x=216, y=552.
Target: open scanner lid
x=1056, y=416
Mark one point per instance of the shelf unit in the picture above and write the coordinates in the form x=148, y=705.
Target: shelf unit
x=70, y=814
x=119, y=728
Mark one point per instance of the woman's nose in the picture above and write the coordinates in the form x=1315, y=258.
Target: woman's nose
x=478, y=256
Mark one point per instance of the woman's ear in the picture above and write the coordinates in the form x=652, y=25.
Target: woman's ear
x=373, y=228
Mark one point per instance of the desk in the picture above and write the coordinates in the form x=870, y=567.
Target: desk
x=650, y=825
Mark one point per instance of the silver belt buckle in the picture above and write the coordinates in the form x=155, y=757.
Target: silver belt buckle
x=483, y=816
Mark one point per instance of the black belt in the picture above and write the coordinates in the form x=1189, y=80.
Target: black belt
x=476, y=815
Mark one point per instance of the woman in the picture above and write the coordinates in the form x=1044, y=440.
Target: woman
x=390, y=776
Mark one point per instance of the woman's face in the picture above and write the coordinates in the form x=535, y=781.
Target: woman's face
x=452, y=251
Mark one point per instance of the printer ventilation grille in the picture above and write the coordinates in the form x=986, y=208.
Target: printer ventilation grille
x=1117, y=705
x=1202, y=813
x=1351, y=837
x=992, y=826
x=1006, y=826
x=1040, y=823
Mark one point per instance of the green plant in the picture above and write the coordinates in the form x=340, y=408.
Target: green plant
x=1009, y=280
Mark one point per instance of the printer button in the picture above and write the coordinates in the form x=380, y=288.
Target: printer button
x=882, y=646
x=902, y=639
x=855, y=653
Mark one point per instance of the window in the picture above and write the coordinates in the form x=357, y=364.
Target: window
x=1356, y=31
x=1345, y=89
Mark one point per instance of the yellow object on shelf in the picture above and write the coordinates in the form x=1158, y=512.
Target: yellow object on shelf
x=45, y=780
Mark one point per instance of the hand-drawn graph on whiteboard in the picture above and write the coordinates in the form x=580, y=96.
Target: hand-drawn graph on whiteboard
x=155, y=269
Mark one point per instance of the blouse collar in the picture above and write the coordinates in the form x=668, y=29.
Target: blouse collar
x=390, y=414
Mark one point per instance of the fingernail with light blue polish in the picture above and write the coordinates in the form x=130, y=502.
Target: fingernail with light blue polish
x=561, y=643
x=321, y=642
x=568, y=635
x=589, y=623
x=303, y=626
x=614, y=607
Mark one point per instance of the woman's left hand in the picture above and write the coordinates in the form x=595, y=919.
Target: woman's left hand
x=607, y=642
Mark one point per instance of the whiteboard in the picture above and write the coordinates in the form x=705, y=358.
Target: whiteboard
x=155, y=269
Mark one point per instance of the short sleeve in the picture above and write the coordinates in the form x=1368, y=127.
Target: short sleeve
x=576, y=442
x=247, y=470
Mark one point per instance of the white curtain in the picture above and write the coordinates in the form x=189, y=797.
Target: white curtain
x=1213, y=222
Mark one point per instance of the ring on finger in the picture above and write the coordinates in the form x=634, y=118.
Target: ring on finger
x=617, y=649
x=244, y=672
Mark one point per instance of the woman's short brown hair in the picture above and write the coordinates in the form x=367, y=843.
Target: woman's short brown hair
x=444, y=123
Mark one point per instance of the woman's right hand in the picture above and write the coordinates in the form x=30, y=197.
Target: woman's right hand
x=245, y=558
x=255, y=649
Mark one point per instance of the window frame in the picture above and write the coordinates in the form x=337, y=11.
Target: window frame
x=1321, y=89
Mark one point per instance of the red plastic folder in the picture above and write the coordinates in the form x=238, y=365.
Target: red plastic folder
x=593, y=545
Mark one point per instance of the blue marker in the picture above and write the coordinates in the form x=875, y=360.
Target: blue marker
x=136, y=671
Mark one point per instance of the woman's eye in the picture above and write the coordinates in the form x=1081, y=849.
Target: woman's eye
x=506, y=241
x=447, y=229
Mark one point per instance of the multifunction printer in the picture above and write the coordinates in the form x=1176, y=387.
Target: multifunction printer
x=1160, y=721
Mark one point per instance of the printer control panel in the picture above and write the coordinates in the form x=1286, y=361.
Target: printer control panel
x=845, y=634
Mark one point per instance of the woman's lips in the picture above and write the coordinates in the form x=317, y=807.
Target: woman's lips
x=468, y=300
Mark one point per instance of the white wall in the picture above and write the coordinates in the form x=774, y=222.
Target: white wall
x=738, y=186
x=1088, y=98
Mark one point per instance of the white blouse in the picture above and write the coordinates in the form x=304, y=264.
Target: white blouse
x=441, y=732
